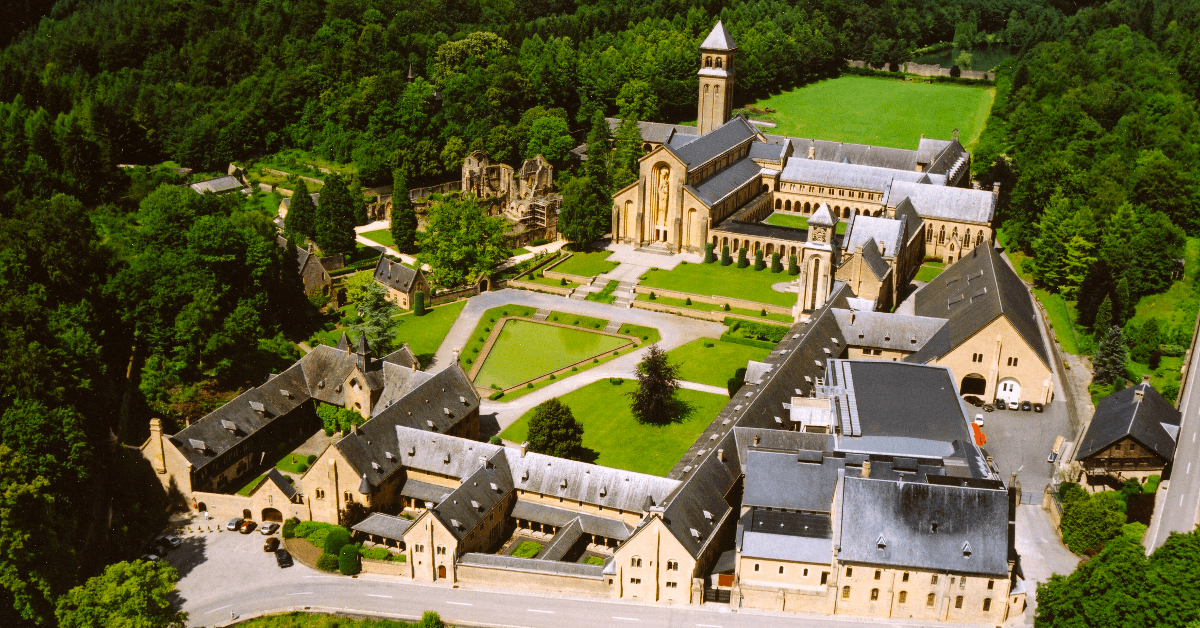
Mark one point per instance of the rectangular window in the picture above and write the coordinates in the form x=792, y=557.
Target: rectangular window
x=987, y=604
x=933, y=579
x=874, y=594
x=902, y=597
x=962, y=583
x=806, y=573
x=672, y=585
x=930, y=599
x=824, y=577
x=878, y=572
x=635, y=581
x=904, y=578
x=849, y=571
x=755, y=566
x=991, y=584
x=781, y=570
x=958, y=602
x=845, y=592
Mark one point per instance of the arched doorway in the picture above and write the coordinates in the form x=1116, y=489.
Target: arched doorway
x=1009, y=389
x=270, y=514
x=441, y=571
x=202, y=507
x=973, y=384
x=484, y=284
x=246, y=514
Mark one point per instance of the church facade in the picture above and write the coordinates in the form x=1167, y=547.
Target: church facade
x=718, y=182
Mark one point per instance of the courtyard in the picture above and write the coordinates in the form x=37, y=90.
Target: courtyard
x=713, y=362
x=586, y=264
x=723, y=281
x=795, y=221
x=525, y=350
x=614, y=438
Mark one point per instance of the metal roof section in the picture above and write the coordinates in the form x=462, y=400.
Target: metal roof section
x=844, y=175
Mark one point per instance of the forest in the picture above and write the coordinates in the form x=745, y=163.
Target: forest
x=125, y=295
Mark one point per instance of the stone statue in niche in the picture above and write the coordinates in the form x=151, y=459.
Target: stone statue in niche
x=664, y=194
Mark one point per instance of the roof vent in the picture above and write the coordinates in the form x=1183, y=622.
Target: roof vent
x=412, y=451
x=229, y=425
x=880, y=543
x=475, y=505
x=285, y=393
x=338, y=389
x=603, y=491
x=447, y=411
x=321, y=384
x=967, y=550
x=563, y=484
x=695, y=533
x=494, y=487
x=257, y=407
x=388, y=455
x=446, y=460
x=462, y=399
x=375, y=465
x=456, y=524
x=198, y=445
x=708, y=515
x=429, y=422
x=525, y=475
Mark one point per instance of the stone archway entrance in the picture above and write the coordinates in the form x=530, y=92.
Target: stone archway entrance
x=271, y=514
x=973, y=384
x=441, y=571
x=246, y=514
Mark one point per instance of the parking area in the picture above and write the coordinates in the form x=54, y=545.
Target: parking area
x=1022, y=440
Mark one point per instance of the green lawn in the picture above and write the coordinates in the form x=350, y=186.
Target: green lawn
x=606, y=294
x=520, y=251
x=618, y=440
x=586, y=322
x=475, y=343
x=648, y=335
x=780, y=219
x=930, y=270
x=879, y=111
x=253, y=484
x=727, y=281
x=424, y=334
x=708, y=307
x=525, y=350
x=382, y=236
x=713, y=362
x=586, y=264
x=527, y=549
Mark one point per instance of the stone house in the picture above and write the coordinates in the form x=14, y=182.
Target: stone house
x=400, y=281
x=313, y=270
x=1132, y=435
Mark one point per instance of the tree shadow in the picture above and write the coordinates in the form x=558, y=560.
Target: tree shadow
x=489, y=426
x=677, y=411
x=584, y=454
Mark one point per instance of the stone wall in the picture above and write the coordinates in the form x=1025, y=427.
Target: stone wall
x=921, y=69
x=561, y=291
x=480, y=576
x=385, y=567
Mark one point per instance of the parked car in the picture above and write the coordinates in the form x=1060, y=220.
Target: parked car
x=973, y=400
x=271, y=545
x=987, y=407
x=1052, y=457
x=152, y=558
x=159, y=548
x=269, y=528
x=1001, y=405
x=1037, y=407
x=1026, y=406
x=247, y=527
x=283, y=558
x=234, y=524
x=170, y=540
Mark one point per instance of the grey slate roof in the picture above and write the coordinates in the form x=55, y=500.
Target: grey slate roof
x=857, y=154
x=928, y=149
x=716, y=142
x=217, y=185
x=587, y=483
x=972, y=293
x=590, y=523
x=281, y=483
x=718, y=39
x=533, y=565
x=393, y=274
x=874, y=261
x=798, y=549
x=881, y=330
x=901, y=515
x=800, y=169
x=822, y=217
x=943, y=202
x=776, y=479
x=767, y=152
x=656, y=132
x=887, y=231
x=905, y=211
x=386, y=526
x=733, y=177
x=563, y=540
x=424, y=491
x=1121, y=414
x=481, y=491
x=763, y=230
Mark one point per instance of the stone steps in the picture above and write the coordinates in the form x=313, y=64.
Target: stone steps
x=613, y=327
x=541, y=315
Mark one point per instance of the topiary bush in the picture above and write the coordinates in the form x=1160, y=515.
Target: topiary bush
x=336, y=539
x=687, y=301
x=289, y=528
x=327, y=562
x=348, y=560
x=726, y=260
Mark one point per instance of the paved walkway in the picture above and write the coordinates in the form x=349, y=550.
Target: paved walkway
x=1042, y=554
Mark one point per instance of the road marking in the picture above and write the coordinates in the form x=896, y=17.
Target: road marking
x=534, y=610
x=627, y=618
x=220, y=607
x=708, y=625
x=1189, y=468
x=375, y=595
x=460, y=603
x=1181, y=500
x=302, y=593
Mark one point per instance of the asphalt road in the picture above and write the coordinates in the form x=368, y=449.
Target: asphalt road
x=1182, y=499
x=228, y=575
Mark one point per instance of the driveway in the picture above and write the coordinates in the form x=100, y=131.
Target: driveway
x=1020, y=441
x=225, y=575
x=1042, y=554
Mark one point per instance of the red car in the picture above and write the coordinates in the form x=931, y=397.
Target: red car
x=247, y=527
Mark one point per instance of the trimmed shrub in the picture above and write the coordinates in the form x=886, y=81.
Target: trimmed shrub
x=348, y=560
x=327, y=562
x=419, y=304
x=653, y=296
x=529, y=385
x=496, y=395
x=742, y=261
x=793, y=268
x=336, y=539
x=708, y=253
x=562, y=282
x=726, y=307
x=687, y=301
x=305, y=528
x=726, y=260
x=615, y=381
x=311, y=459
x=375, y=553
x=759, y=264
x=496, y=440
x=776, y=265
x=289, y=528
x=762, y=312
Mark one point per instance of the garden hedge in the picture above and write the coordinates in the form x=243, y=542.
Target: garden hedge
x=336, y=540
x=327, y=562
x=348, y=560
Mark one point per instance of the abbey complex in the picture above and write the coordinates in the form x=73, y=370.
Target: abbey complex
x=812, y=491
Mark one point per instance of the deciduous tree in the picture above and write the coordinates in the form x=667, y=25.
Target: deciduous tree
x=461, y=241
x=129, y=595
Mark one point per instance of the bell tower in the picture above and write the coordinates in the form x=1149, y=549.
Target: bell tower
x=716, y=79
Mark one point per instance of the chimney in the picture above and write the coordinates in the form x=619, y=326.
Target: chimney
x=812, y=152
x=721, y=455
x=756, y=439
x=866, y=470
x=1012, y=479
x=524, y=448
x=881, y=247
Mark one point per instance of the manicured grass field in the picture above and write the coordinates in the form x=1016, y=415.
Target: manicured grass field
x=586, y=264
x=546, y=281
x=929, y=271
x=708, y=307
x=618, y=440
x=780, y=219
x=382, y=236
x=520, y=251
x=606, y=294
x=424, y=334
x=1061, y=314
x=586, y=322
x=727, y=281
x=711, y=361
x=525, y=350
x=253, y=484
x=880, y=111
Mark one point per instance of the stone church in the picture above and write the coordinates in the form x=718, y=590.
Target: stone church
x=718, y=182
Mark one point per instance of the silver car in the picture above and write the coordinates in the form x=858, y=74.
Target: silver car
x=269, y=528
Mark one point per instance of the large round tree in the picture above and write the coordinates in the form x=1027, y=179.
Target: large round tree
x=554, y=431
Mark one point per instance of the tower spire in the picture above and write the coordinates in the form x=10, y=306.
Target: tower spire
x=716, y=79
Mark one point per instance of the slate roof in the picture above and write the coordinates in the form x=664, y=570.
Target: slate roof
x=562, y=542
x=857, y=154
x=315, y=196
x=822, y=217
x=928, y=149
x=943, y=202
x=882, y=230
x=763, y=230
x=281, y=483
x=905, y=211
x=533, y=565
x=1121, y=414
x=393, y=274
x=716, y=142
x=718, y=39
x=587, y=483
x=480, y=492
x=424, y=491
x=776, y=479
x=386, y=526
x=972, y=293
x=767, y=152
x=846, y=175
x=656, y=132
x=881, y=330
x=874, y=261
x=799, y=549
x=721, y=184
x=590, y=524
x=901, y=516
x=217, y=185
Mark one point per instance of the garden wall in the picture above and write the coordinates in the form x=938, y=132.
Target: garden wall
x=554, y=274
x=537, y=287
x=385, y=567
x=718, y=316
x=715, y=300
x=223, y=507
x=517, y=240
x=473, y=571
x=921, y=69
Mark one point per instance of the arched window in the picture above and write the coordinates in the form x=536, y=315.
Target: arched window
x=958, y=602
x=718, y=62
x=787, y=206
x=928, y=235
x=635, y=561
x=979, y=238
x=967, y=239
x=942, y=236
x=708, y=62
x=807, y=208
x=903, y=597
x=874, y=594
x=930, y=599
x=778, y=204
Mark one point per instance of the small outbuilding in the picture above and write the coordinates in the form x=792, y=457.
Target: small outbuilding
x=1132, y=435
